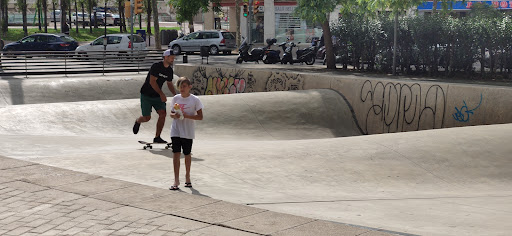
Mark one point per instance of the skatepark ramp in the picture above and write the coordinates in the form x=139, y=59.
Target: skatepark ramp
x=307, y=114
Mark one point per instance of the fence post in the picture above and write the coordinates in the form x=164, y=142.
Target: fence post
x=26, y=67
x=66, y=64
x=103, y=62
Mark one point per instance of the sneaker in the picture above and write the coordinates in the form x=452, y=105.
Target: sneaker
x=159, y=140
x=136, y=127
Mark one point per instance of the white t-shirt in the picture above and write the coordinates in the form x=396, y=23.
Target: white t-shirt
x=190, y=105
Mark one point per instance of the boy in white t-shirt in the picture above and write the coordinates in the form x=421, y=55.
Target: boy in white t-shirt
x=183, y=129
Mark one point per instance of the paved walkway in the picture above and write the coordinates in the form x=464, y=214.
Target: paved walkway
x=37, y=199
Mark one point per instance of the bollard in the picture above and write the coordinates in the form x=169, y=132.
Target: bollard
x=185, y=58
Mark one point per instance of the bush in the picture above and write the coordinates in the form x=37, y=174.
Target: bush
x=435, y=45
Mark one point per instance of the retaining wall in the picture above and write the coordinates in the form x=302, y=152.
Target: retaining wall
x=379, y=105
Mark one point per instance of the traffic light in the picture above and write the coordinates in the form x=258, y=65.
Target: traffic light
x=246, y=10
x=255, y=7
x=127, y=9
x=137, y=7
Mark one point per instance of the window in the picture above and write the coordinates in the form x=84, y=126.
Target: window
x=29, y=39
x=228, y=35
x=41, y=38
x=98, y=41
x=214, y=35
x=52, y=39
x=67, y=39
x=136, y=38
x=113, y=40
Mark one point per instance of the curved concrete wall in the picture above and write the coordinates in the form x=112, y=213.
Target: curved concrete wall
x=380, y=105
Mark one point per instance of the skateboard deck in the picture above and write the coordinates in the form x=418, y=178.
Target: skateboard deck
x=150, y=145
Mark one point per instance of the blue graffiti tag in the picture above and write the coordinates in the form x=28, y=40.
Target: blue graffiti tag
x=462, y=114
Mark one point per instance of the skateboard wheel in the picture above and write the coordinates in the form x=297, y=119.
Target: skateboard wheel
x=150, y=147
x=144, y=148
x=166, y=147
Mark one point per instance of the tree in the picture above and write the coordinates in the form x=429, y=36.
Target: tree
x=396, y=7
x=317, y=11
x=187, y=9
x=22, y=5
x=156, y=23
x=4, y=15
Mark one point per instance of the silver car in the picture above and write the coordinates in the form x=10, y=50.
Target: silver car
x=216, y=41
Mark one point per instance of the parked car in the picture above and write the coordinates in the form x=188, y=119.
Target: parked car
x=117, y=19
x=216, y=41
x=100, y=16
x=41, y=42
x=57, y=15
x=117, y=44
x=81, y=18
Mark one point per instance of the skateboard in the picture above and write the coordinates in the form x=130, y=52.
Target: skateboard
x=150, y=145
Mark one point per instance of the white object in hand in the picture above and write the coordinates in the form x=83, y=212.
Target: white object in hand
x=178, y=110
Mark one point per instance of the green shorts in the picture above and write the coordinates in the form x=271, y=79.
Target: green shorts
x=146, y=103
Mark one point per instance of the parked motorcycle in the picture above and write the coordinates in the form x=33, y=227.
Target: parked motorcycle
x=307, y=55
x=271, y=56
x=255, y=55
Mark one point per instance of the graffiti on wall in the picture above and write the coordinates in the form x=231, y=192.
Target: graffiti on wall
x=229, y=81
x=284, y=82
x=463, y=113
x=395, y=107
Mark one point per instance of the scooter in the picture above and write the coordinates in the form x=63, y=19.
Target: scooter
x=271, y=56
x=307, y=55
x=255, y=55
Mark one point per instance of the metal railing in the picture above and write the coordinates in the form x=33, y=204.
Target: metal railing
x=71, y=62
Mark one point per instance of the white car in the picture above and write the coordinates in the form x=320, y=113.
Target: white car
x=117, y=44
x=81, y=18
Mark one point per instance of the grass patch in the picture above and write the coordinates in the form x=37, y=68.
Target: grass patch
x=84, y=35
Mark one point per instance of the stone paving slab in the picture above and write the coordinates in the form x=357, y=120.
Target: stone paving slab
x=42, y=200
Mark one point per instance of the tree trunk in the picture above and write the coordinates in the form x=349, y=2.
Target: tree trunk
x=83, y=15
x=120, y=6
x=39, y=15
x=330, y=60
x=149, y=18
x=45, y=14
x=434, y=7
x=191, y=24
x=76, y=15
x=395, y=43
x=90, y=15
x=63, y=8
x=158, y=44
x=24, y=13
x=237, y=14
x=5, y=26
x=54, y=18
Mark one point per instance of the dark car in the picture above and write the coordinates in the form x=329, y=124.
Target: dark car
x=42, y=42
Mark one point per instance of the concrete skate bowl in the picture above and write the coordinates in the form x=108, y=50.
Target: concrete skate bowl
x=258, y=116
x=289, y=152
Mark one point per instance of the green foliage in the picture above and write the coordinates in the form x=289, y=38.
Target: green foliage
x=315, y=11
x=429, y=44
x=187, y=9
x=83, y=35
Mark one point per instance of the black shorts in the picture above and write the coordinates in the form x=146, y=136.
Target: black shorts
x=179, y=143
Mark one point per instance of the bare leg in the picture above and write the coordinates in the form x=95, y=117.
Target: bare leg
x=188, y=163
x=143, y=119
x=160, y=123
x=176, y=164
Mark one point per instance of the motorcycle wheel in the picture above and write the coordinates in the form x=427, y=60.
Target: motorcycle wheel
x=310, y=60
x=265, y=60
x=239, y=60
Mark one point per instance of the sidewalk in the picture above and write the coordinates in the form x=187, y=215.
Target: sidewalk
x=43, y=200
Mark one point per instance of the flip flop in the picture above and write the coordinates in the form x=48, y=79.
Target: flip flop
x=188, y=185
x=174, y=188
